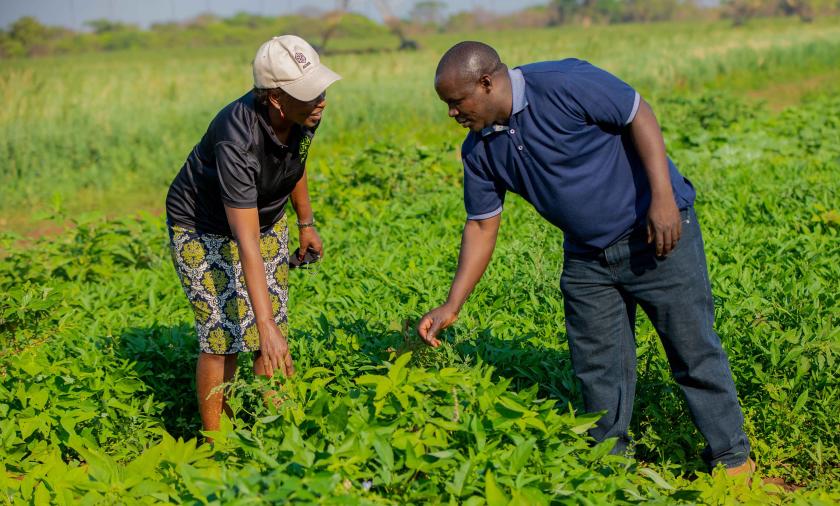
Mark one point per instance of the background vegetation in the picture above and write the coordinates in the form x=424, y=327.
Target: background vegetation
x=96, y=339
x=349, y=31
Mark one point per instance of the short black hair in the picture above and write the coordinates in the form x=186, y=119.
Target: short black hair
x=469, y=60
x=262, y=95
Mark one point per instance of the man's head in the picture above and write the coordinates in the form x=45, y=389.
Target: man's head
x=289, y=76
x=473, y=82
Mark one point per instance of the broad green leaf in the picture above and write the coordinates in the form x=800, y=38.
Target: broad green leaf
x=384, y=451
x=459, y=477
x=495, y=496
x=655, y=477
x=521, y=454
x=800, y=401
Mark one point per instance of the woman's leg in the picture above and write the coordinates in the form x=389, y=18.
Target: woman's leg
x=230, y=371
x=259, y=368
x=210, y=372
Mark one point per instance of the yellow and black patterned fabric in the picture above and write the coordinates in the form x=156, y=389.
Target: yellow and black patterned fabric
x=211, y=274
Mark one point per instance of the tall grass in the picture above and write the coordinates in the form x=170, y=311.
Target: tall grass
x=109, y=131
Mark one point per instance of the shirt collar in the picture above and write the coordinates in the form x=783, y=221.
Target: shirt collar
x=517, y=89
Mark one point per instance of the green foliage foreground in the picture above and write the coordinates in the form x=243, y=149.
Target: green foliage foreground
x=98, y=348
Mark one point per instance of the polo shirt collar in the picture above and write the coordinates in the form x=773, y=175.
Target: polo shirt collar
x=517, y=89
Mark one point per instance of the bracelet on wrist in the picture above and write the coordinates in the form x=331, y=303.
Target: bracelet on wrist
x=306, y=225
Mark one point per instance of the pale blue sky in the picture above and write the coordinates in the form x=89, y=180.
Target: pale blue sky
x=73, y=13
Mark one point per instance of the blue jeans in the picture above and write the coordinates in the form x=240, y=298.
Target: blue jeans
x=601, y=292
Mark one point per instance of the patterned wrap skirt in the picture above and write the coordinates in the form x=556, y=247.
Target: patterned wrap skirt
x=210, y=271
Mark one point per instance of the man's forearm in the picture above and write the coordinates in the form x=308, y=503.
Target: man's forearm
x=477, y=245
x=647, y=137
x=663, y=217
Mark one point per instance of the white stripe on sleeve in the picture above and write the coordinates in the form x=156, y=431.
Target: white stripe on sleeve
x=635, y=109
x=479, y=217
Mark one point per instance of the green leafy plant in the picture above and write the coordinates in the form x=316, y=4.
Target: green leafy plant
x=97, y=349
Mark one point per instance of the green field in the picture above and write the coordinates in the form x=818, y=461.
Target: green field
x=97, y=347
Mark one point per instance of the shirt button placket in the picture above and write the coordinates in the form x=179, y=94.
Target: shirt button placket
x=512, y=131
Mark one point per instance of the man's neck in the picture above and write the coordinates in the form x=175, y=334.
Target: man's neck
x=505, y=98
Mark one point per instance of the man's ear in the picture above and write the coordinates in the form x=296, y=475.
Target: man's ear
x=486, y=82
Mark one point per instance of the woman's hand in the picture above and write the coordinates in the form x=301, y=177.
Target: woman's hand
x=309, y=238
x=274, y=351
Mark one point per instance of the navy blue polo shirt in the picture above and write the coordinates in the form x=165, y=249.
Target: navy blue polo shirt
x=567, y=150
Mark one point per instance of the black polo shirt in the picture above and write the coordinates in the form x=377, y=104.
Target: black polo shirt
x=241, y=163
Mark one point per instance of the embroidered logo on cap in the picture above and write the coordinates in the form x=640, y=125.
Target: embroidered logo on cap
x=301, y=59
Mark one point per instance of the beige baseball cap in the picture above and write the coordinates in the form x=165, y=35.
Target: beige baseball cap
x=291, y=64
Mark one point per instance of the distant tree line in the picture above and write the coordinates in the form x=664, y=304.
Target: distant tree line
x=632, y=11
x=740, y=11
x=28, y=37
x=429, y=14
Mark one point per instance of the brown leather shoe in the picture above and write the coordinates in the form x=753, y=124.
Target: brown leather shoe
x=747, y=468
